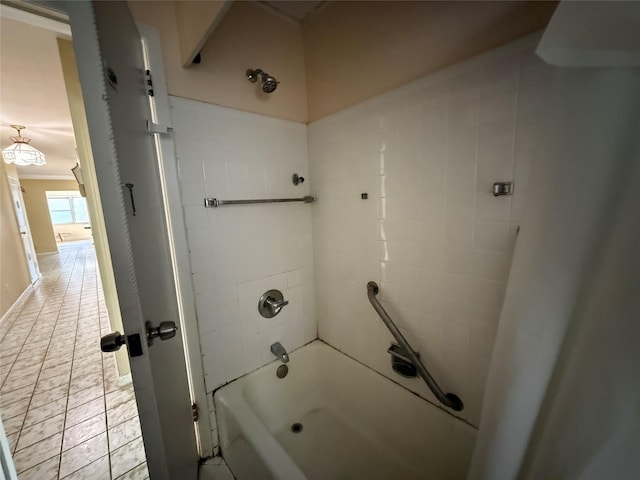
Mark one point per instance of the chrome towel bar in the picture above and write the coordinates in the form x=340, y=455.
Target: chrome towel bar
x=450, y=400
x=214, y=202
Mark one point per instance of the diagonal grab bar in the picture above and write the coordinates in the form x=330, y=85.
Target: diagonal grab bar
x=450, y=400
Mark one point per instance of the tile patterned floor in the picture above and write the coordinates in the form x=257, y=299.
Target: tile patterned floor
x=62, y=409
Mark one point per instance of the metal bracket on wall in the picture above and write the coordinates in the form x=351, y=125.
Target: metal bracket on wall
x=157, y=128
x=502, y=188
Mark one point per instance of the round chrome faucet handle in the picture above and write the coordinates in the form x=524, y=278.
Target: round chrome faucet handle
x=270, y=303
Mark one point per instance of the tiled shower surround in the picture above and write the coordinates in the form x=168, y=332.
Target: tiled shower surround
x=238, y=252
x=431, y=234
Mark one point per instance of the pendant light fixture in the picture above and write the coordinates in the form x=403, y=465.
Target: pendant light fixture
x=21, y=153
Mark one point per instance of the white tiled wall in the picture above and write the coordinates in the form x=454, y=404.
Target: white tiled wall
x=431, y=234
x=239, y=252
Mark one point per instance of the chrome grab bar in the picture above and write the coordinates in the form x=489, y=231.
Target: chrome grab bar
x=214, y=202
x=450, y=400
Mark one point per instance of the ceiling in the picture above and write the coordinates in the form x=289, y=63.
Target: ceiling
x=298, y=10
x=32, y=93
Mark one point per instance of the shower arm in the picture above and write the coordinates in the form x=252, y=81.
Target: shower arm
x=450, y=400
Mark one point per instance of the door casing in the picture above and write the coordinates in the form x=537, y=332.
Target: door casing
x=166, y=151
x=117, y=109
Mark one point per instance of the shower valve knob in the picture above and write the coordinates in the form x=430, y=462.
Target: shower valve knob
x=270, y=303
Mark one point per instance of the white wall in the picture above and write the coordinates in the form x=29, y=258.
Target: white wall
x=431, y=234
x=239, y=252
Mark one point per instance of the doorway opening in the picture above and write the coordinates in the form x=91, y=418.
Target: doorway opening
x=69, y=215
x=122, y=252
x=67, y=408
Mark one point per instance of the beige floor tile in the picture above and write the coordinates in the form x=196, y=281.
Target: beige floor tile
x=83, y=412
x=24, y=370
x=111, y=384
x=51, y=409
x=13, y=424
x=14, y=383
x=13, y=441
x=37, y=453
x=82, y=455
x=47, y=384
x=56, y=360
x=47, y=470
x=97, y=470
x=82, y=383
x=55, y=371
x=124, y=433
x=28, y=356
x=40, y=431
x=9, y=351
x=138, y=473
x=53, y=376
x=120, y=396
x=127, y=457
x=86, y=395
x=7, y=398
x=14, y=409
x=50, y=395
x=122, y=412
x=83, y=431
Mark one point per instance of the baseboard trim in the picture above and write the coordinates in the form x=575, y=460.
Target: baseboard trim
x=125, y=380
x=23, y=296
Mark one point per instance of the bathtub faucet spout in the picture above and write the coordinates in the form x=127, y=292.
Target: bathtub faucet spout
x=278, y=350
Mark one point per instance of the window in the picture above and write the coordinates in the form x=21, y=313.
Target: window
x=67, y=207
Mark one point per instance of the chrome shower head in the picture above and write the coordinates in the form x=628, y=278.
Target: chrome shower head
x=267, y=82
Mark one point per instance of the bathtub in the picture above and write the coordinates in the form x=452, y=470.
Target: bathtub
x=355, y=424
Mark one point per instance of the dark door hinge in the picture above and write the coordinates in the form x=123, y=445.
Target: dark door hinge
x=194, y=411
x=149, y=83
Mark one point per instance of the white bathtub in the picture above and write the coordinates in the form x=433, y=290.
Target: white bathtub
x=356, y=423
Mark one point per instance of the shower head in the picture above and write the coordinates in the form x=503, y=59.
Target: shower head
x=267, y=82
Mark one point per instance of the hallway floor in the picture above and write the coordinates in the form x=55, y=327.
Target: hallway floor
x=64, y=414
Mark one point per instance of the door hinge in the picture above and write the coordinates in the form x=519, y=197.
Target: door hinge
x=149, y=81
x=194, y=411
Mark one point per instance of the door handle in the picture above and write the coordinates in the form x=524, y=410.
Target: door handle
x=164, y=331
x=112, y=342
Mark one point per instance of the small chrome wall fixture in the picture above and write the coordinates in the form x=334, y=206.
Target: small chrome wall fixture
x=401, y=363
x=271, y=302
x=502, y=188
x=297, y=179
x=267, y=82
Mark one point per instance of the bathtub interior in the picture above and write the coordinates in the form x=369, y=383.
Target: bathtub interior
x=355, y=423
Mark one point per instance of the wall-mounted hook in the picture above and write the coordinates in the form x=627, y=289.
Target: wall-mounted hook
x=297, y=179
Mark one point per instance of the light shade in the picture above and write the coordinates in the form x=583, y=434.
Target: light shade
x=21, y=153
